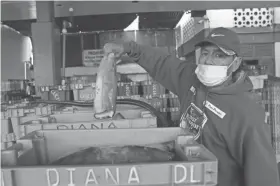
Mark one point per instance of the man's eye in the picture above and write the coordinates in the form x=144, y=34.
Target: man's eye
x=204, y=53
x=220, y=55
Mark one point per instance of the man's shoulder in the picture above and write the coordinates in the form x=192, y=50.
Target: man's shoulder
x=188, y=80
x=241, y=114
x=250, y=102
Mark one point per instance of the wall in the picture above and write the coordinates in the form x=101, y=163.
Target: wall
x=12, y=66
x=277, y=45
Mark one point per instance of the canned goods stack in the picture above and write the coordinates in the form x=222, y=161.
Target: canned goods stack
x=153, y=89
x=13, y=91
x=55, y=92
x=169, y=102
x=174, y=105
x=263, y=69
x=255, y=70
x=271, y=99
x=148, y=91
x=152, y=92
x=128, y=89
x=78, y=88
x=83, y=87
x=257, y=74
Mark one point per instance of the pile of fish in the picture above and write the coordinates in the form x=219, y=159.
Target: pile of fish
x=117, y=155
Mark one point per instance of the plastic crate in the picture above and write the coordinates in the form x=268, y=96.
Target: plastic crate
x=7, y=136
x=29, y=127
x=196, y=166
x=25, y=119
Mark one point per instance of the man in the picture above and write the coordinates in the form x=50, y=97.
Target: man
x=215, y=105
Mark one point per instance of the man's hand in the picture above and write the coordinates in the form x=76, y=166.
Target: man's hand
x=116, y=48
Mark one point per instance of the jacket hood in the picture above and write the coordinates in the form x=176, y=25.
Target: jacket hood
x=241, y=83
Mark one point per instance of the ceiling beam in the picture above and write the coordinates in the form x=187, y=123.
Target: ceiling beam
x=27, y=9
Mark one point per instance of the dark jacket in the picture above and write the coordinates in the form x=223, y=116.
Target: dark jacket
x=232, y=125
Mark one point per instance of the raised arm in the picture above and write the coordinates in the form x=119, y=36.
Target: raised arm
x=167, y=69
x=174, y=74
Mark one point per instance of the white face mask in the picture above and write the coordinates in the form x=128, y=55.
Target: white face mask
x=212, y=75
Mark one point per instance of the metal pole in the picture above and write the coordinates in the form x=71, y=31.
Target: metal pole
x=66, y=25
x=95, y=40
x=156, y=41
x=25, y=70
x=82, y=48
x=63, y=55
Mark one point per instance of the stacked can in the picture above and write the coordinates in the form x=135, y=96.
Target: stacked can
x=13, y=91
x=272, y=105
x=120, y=90
x=83, y=87
x=55, y=92
x=174, y=106
x=151, y=92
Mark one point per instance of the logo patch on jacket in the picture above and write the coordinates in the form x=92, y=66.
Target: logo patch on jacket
x=193, y=120
x=193, y=90
x=215, y=109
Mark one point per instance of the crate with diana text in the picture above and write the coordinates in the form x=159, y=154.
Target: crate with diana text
x=167, y=157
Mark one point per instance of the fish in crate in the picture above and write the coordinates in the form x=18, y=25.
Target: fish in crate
x=118, y=155
x=165, y=156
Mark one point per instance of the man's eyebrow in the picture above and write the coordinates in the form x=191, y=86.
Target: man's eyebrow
x=204, y=49
x=215, y=50
x=218, y=50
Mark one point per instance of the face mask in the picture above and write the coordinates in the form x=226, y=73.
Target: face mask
x=212, y=75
